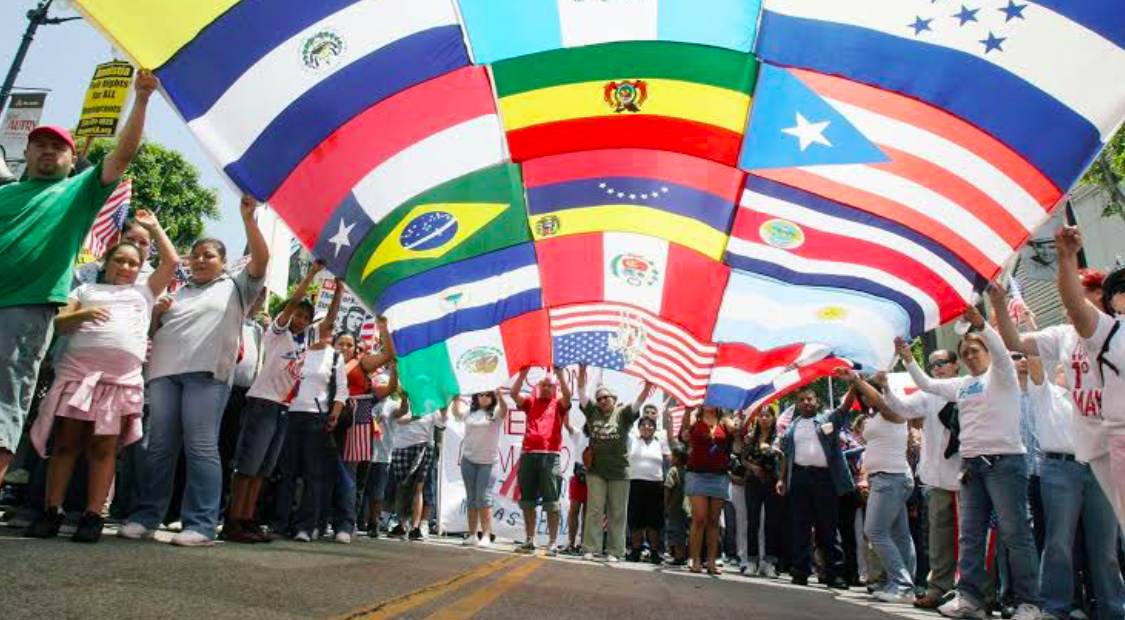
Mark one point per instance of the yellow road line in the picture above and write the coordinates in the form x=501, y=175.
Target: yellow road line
x=393, y=607
x=470, y=605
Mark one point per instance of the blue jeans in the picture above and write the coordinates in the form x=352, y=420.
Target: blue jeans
x=184, y=411
x=478, y=483
x=310, y=463
x=338, y=501
x=888, y=528
x=998, y=483
x=1070, y=491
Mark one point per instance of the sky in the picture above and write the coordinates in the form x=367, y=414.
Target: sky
x=62, y=58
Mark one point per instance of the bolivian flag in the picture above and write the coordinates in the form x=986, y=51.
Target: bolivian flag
x=656, y=95
x=469, y=216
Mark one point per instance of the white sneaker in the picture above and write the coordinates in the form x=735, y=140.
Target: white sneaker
x=188, y=538
x=958, y=607
x=767, y=570
x=611, y=559
x=1027, y=612
x=748, y=568
x=302, y=537
x=343, y=537
x=589, y=557
x=482, y=543
x=135, y=531
x=893, y=596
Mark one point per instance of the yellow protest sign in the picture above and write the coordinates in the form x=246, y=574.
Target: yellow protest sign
x=105, y=100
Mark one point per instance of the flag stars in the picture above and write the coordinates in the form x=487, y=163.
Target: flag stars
x=632, y=196
x=1013, y=11
x=967, y=15
x=808, y=133
x=993, y=42
x=341, y=239
x=664, y=190
x=920, y=25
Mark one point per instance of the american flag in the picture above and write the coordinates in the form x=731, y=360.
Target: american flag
x=631, y=340
x=111, y=219
x=1017, y=307
x=180, y=278
x=358, y=447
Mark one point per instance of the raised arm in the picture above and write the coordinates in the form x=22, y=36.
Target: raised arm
x=329, y=322
x=129, y=141
x=294, y=302
x=583, y=397
x=374, y=361
x=392, y=381
x=1083, y=315
x=945, y=388
x=517, y=388
x=456, y=409
x=1002, y=366
x=502, y=409
x=169, y=258
x=646, y=391
x=402, y=411
x=564, y=389
x=259, y=250
x=870, y=395
x=1013, y=340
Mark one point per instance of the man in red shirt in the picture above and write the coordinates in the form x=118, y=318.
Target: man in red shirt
x=539, y=475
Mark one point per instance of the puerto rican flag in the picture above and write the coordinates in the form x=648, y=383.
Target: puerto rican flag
x=746, y=378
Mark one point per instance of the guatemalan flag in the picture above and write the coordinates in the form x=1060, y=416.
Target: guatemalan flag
x=964, y=123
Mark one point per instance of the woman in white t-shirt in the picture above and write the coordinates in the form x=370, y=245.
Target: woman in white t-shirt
x=1105, y=341
x=646, y=489
x=479, y=452
x=98, y=391
x=994, y=473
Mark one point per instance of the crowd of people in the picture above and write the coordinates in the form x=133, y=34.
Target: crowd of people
x=991, y=479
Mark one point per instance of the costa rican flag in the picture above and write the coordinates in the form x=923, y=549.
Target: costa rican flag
x=111, y=219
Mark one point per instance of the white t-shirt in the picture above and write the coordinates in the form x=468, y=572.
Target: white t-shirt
x=246, y=371
x=1054, y=416
x=1113, y=383
x=281, y=365
x=416, y=431
x=989, y=404
x=130, y=311
x=1061, y=345
x=481, y=444
x=312, y=395
x=886, y=447
x=933, y=468
x=384, y=415
x=646, y=459
x=806, y=445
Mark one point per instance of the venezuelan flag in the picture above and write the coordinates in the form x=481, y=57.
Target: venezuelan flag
x=677, y=97
x=675, y=197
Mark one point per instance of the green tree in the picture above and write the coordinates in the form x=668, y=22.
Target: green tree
x=167, y=184
x=1112, y=158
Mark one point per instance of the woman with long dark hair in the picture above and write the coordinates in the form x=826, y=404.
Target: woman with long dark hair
x=479, y=452
x=707, y=486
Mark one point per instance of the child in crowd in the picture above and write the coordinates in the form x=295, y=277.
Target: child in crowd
x=676, y=518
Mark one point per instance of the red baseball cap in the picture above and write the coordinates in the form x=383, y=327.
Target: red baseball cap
x=58, y=132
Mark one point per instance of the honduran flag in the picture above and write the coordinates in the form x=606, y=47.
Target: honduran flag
x=669, y=96
x=671, y=281
x=678, y=198
x=746, y=378
x=500, y=29
x=476, y=361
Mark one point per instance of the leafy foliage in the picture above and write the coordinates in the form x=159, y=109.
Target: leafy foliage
x=1115, y=157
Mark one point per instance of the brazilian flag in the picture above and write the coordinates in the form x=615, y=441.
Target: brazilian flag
x=472, y=215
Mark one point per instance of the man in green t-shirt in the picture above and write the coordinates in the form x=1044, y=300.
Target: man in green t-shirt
x=607, y=477
x=46, y=219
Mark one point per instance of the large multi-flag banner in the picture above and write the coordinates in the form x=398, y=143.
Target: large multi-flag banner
x=727, y=198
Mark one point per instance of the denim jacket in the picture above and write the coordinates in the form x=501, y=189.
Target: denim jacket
x=837, y=463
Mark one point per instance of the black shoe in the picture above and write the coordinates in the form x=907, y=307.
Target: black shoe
x=799, y=580
x=634, y=556
x=89, y=528
x=837, y=584
x=655, y=559
x=46, y=524
x=398, y=532
x=373, y=532
x=1007, y=611
x=416, y=534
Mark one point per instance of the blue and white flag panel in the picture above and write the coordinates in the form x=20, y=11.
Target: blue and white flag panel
x=768, y=314
x=500, y=29
x=1032, y=74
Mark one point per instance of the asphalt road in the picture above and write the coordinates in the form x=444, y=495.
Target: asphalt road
x=380, y=580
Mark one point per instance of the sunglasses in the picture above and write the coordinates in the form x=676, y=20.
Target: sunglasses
x=605, y=396
x=1017, y=357
x=940, y=363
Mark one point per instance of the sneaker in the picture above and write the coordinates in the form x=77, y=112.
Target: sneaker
x=552, y=552
x=1027, y=612
x=470, y=541
x=302, y=536
x=89, y=528
x=373, y=532
x=589, y=557
x=135, y=531
x=416, y=534
x=767, y=570
x=483, y=543
x=527, y=547
x=398, y=532
x=747, y=568
x=889, y=595
x=611, y=559
x=343, y=537
x=188, y=538
x=959, y=607
x=257, y=531
x=46, y=524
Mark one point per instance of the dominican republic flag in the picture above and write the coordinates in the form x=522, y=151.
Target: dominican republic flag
x=746, y=378
x=111, y=219
x=966, y=125
x=635, y=341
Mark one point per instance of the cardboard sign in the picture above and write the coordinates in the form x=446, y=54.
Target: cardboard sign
x=105, y=100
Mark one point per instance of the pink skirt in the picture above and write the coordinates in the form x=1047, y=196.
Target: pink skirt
x=84, y=390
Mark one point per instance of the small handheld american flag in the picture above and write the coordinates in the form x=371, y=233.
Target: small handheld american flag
x=111, y=219
x=1017, y=307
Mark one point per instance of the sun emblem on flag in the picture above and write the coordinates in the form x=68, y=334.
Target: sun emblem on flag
x=782, y=234
x=630, y=339
x=480, y=360
x=635, y=269
x=322, y=50
x=626, y=96
x=548, y=226
x=831, y=313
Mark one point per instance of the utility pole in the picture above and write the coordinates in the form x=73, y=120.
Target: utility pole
x=35, y=17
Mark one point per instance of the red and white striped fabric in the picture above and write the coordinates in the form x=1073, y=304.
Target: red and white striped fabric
x=635, y=341
x=111, y=219
x=1017, y=308
x=359, y=443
